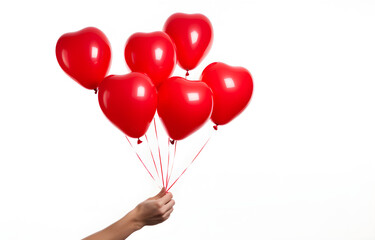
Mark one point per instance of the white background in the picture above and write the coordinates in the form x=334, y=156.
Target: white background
x=297, y=164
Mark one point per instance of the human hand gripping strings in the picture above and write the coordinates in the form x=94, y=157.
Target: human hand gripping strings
x=152, y=211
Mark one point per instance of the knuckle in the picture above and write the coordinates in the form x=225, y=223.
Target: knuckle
x=155, y=209
x=158, y=204
x=159, y=211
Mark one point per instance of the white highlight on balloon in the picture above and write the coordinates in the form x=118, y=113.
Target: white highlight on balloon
x=158, y=53
x=193, y=96
x=64, y=55
x=105, y=98
x=194, y=37
x=140, y=91
x=94, y=52
x=229, y=83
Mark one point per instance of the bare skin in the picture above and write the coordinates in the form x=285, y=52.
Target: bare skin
x=152, y=211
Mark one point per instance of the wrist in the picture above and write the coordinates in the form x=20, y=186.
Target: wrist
x=132, y=220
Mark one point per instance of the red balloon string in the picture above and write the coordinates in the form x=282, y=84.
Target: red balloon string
x=140, y=158
x=187, y=73
x=152, y=156
x=161, y=164
x=173, y=159
x=96, y=90
x=166, y=177
x=190, y=163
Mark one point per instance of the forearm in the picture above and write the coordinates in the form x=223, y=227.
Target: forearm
x=119, y=230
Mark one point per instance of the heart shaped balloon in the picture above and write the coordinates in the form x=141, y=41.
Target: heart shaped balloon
x=85, y=56
x=129, y=102
x=183, y=106
x=192, y=34
x=232, y=88
x=151, y=53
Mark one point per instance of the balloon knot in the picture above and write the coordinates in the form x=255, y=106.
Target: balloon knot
x=96, y=90
x=139, y=141
x=187, y=73
x=215, y=127
x=172, y=141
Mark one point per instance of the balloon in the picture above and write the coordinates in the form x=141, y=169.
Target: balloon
x=151, y=53
x=85, y=56
x=192, y=34
x=183, y=106
x=232, y=88
x=129, y=102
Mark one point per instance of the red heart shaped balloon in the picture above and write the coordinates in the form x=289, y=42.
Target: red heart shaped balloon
x=232, y=88
x=85, y=56
x=183, y=106
x=129, y=102
x=192, y=34
x=151, y=53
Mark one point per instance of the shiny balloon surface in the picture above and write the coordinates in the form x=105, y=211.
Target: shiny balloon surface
x=151, y=53
x=85, y=56
x=183, y=106
x=192, y=34
x=232, y=88
x=129, y=102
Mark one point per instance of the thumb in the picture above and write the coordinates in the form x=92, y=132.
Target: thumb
x=160, y=194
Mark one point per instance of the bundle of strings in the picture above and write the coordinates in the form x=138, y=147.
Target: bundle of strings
x=165, y=179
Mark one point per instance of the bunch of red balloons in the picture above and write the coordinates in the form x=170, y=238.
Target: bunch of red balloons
x=130, y=101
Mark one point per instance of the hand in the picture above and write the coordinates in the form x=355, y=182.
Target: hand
x=154, y=210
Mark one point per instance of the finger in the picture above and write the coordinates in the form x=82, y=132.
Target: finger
x=160, y=194
x=167, y=206
x=166, y=198
x=167, y=214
